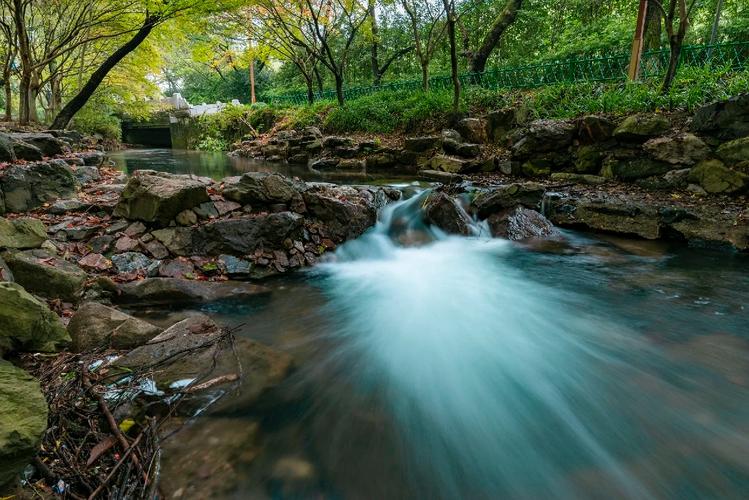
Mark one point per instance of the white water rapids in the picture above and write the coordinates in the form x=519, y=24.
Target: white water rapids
x=500, y=386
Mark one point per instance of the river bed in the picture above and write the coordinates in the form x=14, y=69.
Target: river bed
x=478, y=368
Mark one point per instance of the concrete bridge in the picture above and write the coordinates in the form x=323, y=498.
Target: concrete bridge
x=172, y=126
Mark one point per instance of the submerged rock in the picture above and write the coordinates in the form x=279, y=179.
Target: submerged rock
x=158, y=197
x=47, y=275
x=154, y=291
x=26, y=324
x=96, y=325
x=23, y=420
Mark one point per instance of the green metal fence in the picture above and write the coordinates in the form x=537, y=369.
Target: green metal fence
x=734, y=55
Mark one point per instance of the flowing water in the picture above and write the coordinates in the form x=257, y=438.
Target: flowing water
x=477, y=368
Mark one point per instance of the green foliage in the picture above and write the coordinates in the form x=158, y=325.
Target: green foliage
x=94, y=119
x=391, y=111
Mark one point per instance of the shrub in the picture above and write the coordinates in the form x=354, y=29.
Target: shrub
x=94, y=120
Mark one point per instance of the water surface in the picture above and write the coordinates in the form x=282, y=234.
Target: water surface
x=477, y=368
x=218, y=165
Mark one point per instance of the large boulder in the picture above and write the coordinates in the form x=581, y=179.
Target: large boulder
x=27, y=324
x=445, y=212
x=22, y=233
x=23, y=420
x=30, y=186
x=734, y=152
x=496, y=199
x=520, y=223
x=47, y=275
x=158, y=197
x=157, y=291
x=95, y=325
x=715, y=177
x=681, y=149
x=543, y=136
x=500, y=123
x=624, y=217
x=345, y=212
x=725, y=120
x=242, y=236
x=46, y=143
x=641, y=127
x=262, y=188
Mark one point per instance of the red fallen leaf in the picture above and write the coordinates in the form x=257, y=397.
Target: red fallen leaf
x=99, y=449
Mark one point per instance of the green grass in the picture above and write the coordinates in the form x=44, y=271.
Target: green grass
x=409, y=112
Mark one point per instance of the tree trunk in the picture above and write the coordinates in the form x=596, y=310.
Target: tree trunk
x=425, y=76
x=81, y=98
x=675, y=41
x=374, y=53
x=339, y=89
x=714, y=29
x=450, y=10
x=318, y=77
x=33, y=95
x=653, y=28
x=310, y=89
x=24, y=52
x=673, y=63
x=8, y=95
x=501, y=23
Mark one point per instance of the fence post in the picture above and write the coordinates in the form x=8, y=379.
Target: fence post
x=634, y=61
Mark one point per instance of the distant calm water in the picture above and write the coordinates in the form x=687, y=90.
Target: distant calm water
x=220, y=165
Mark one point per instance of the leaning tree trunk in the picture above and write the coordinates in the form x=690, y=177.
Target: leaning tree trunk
x=675, y=43
x=81, y=98
x=501, y=23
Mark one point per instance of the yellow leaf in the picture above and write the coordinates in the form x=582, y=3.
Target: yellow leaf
x=126, y=424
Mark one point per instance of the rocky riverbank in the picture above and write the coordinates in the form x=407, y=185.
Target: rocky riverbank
x=79, y=241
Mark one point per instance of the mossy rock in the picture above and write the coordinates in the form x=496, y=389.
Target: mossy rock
x=27, y=324
x=642, y=127
x=715, y=177
x=734, y=152
x=632, y=169
x=23, y=420
x=589, y=160
x=22, y=233
x=47, y=275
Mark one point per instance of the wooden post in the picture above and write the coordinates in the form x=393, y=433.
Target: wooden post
x=634, y=62
x=252, y=81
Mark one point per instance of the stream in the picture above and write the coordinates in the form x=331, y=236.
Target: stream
x=477, y=368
